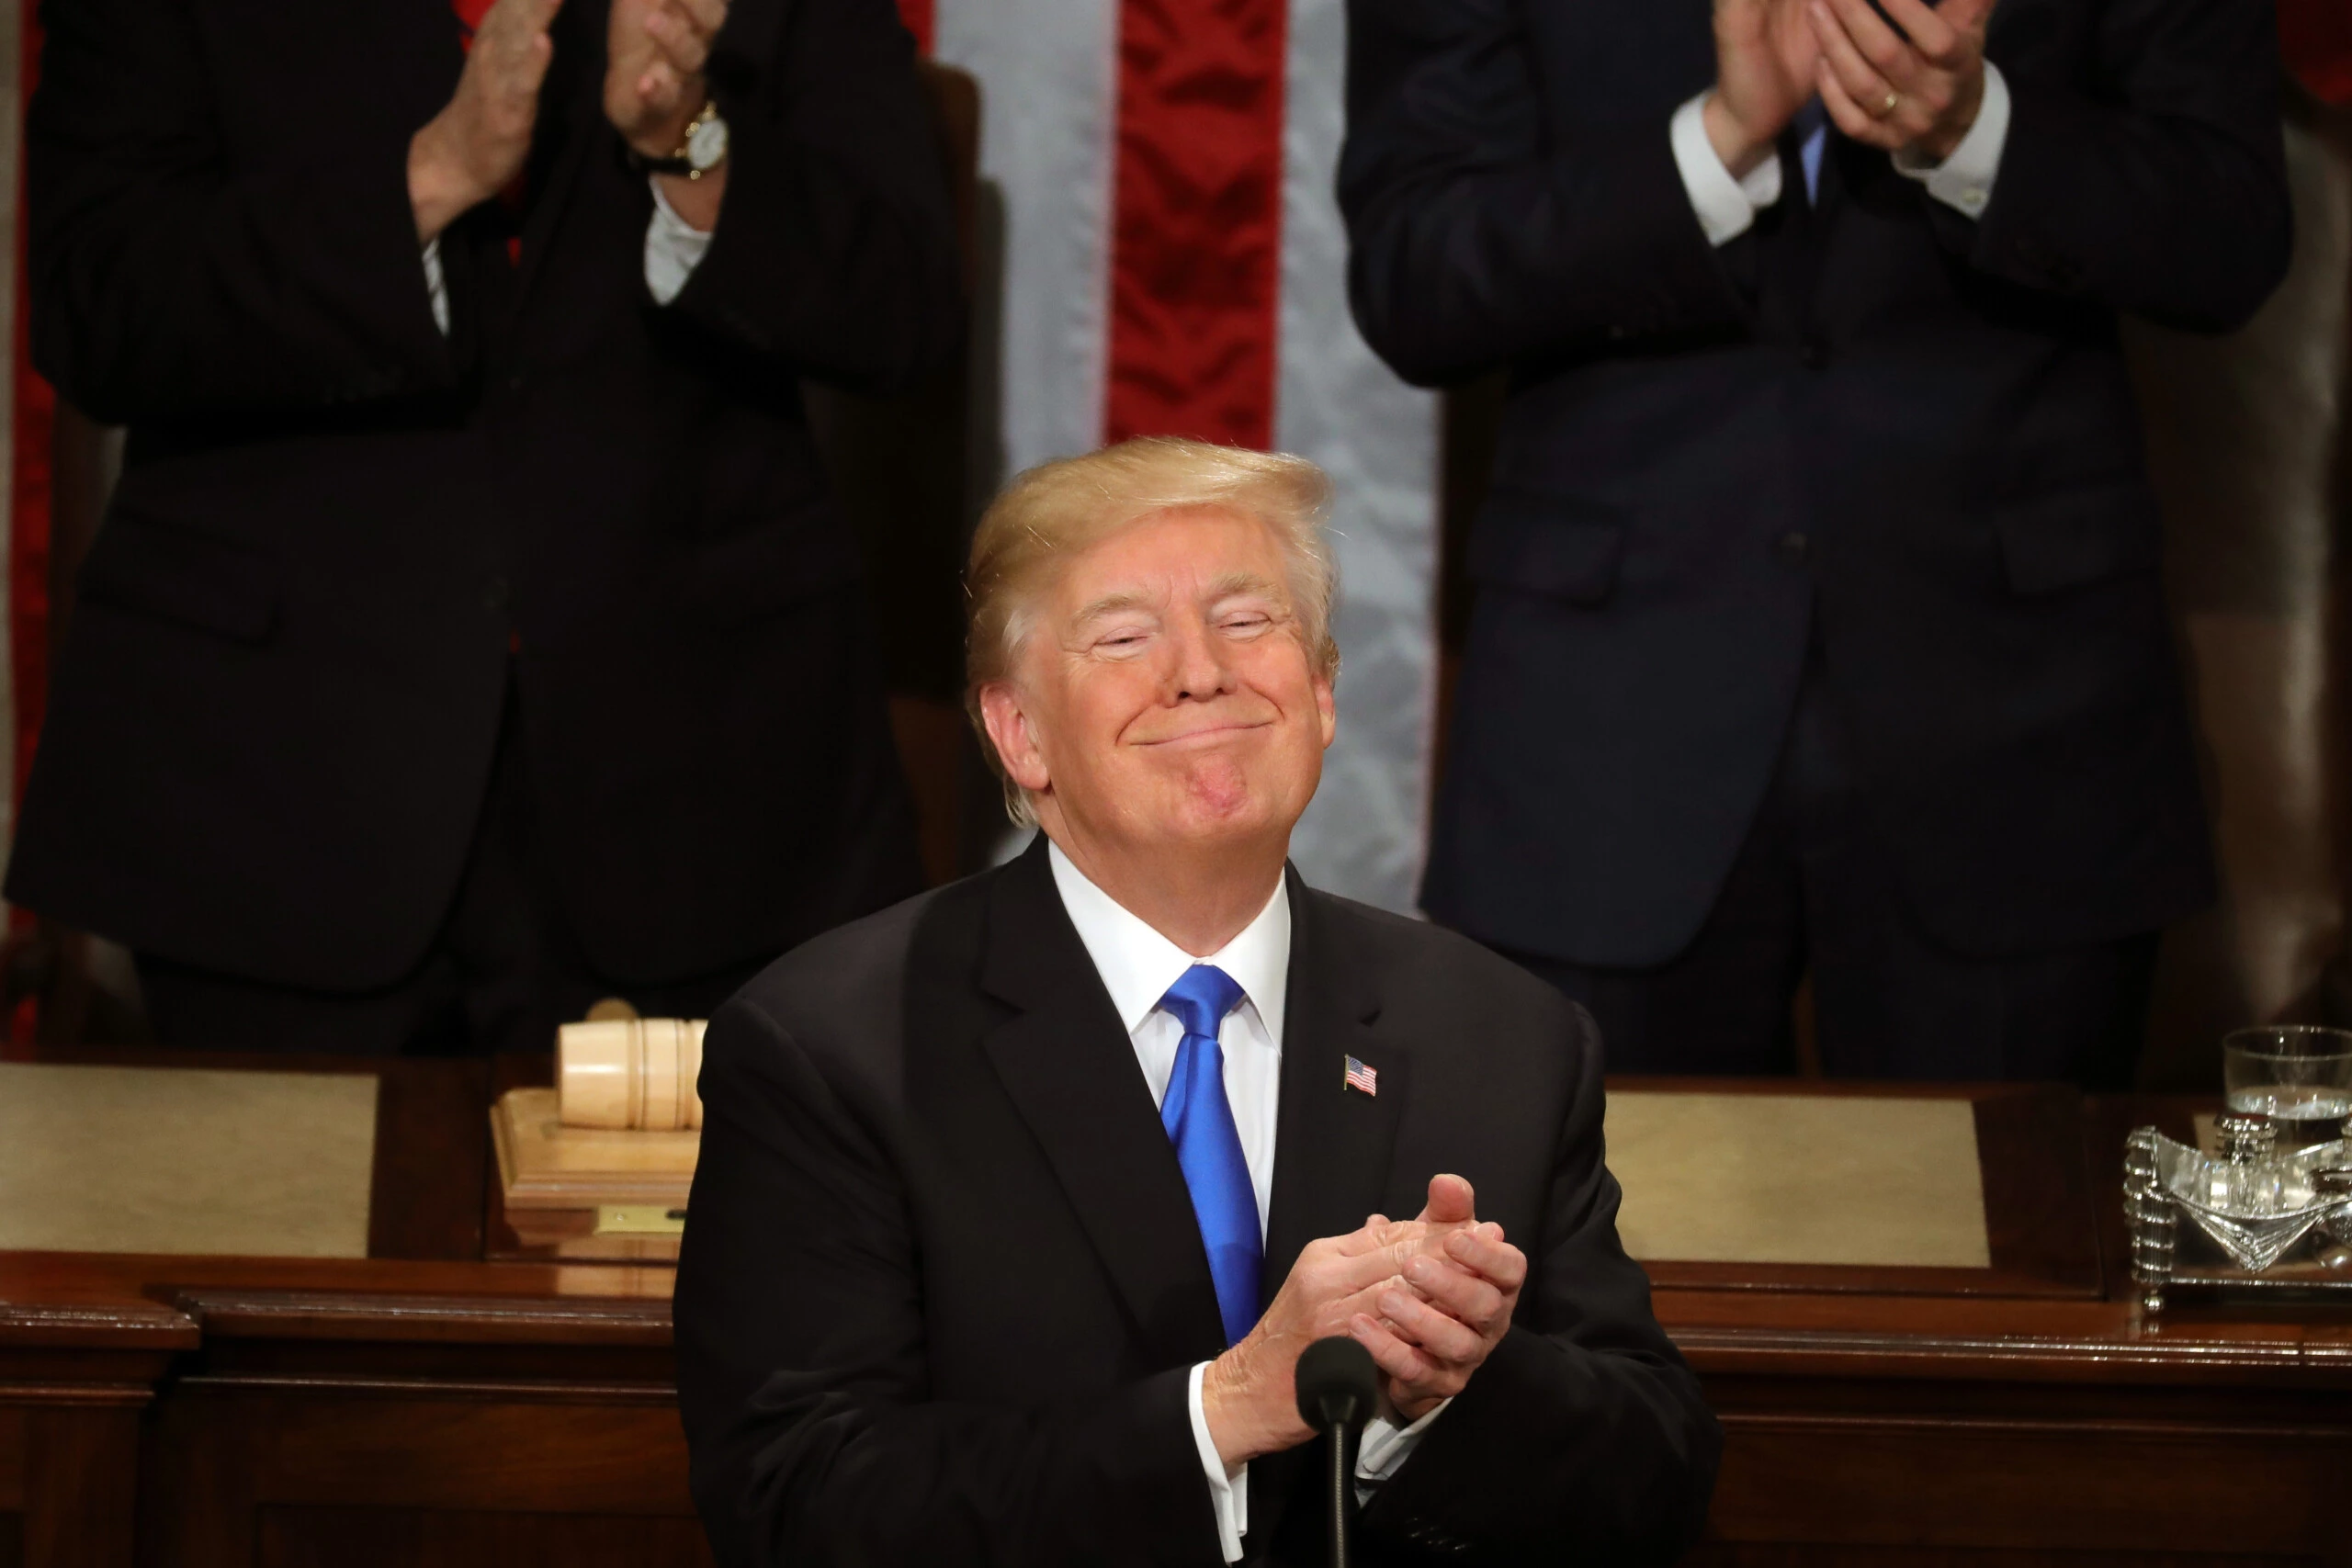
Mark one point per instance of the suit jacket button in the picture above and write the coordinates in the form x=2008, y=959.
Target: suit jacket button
x=1792, y=547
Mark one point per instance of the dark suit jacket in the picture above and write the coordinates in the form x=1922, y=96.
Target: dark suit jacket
x=942, y=1284
x=1882, y=422
x=271, y=728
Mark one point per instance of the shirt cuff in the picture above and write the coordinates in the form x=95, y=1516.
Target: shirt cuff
x=1228, y=1489
x=673, y=248
x=1387, y=1446
x=1963, y=181
x=436, y=284
x=1726, y=207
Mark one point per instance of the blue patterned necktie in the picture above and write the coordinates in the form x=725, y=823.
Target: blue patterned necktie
x=1199, y=1119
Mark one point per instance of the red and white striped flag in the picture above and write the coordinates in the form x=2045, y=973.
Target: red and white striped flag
x=1174, y=263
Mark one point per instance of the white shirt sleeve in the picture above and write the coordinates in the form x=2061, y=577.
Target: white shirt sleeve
x=673, y=248
x=1387, y=1446
x=1963, y=181
x=1228, y=1489
x=1726, y=207
x=1384, y=1448
x=436, y=284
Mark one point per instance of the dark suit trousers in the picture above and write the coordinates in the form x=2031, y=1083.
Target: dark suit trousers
x=1812, y=888
x=503, y=971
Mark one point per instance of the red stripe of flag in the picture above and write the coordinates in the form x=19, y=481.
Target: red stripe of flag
x=921, y=18
x=1196, y=226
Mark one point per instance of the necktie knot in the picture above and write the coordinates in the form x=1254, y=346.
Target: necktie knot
x=1201, y=997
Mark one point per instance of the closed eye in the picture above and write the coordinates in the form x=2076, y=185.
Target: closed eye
x=1126, y=639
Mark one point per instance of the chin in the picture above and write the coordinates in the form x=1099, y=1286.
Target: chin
x=1256, y=815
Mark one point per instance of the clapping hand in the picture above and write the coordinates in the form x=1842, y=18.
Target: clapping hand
x=1429, y=1297
x=654, y=55
x=1247, y=1394
x=1768, y=59
x=1916, y=94
x=476, y=144
x=1436, y=1323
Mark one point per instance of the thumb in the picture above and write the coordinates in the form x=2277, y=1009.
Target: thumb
x=1452, y=1201
x=1968, y=16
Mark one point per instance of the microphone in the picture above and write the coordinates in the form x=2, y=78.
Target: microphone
x=1338, y=1388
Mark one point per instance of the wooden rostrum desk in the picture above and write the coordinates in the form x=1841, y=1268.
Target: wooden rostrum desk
x=432, y=1405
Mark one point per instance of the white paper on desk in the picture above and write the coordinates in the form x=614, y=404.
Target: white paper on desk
x=1799, y=1178
x=185, y=1160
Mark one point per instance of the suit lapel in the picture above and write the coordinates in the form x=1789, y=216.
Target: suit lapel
x=1067, y=1063
x=1331, y=1143
x=572, y=122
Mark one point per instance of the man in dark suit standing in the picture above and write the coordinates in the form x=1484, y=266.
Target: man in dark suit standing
x=1819, y=624
x=1018, y=1202
x=471, y=634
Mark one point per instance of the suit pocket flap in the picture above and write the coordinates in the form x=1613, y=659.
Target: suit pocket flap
x=1562, y=550
x=2074, y=536
x=183, y=575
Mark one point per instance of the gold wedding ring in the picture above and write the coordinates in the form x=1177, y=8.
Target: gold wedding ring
x=1893, y=102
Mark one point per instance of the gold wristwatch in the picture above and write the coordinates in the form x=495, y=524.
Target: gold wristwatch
x=702, y=148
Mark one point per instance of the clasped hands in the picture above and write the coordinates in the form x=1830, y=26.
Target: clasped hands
x=1910, y=80
x=1429, y=1297
x=654, y=54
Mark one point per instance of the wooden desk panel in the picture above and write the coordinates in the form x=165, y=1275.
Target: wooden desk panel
x=447, y=1411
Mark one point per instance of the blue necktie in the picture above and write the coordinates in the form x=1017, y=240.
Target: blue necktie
x=1199, y=1121
x=1812, y=137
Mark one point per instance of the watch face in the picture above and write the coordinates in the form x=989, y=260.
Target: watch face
x=707, y=144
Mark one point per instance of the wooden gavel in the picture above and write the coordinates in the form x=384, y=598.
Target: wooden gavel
x=636, y=1073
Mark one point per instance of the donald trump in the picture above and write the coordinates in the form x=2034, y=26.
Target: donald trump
x=1018, y=1201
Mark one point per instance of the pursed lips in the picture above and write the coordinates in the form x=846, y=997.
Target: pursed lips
x=1206, y=732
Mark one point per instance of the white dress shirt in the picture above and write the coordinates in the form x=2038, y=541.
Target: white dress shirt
x=673, y=248
x=1728, y=207
x=1137, y=965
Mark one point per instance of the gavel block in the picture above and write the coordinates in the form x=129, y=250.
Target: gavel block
x=622, y=1127
x=632, y=1073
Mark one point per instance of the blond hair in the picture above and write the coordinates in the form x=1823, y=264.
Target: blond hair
x=1053, y=512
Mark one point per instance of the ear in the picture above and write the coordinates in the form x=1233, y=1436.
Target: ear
x=1326, y=708
x=1002, y=710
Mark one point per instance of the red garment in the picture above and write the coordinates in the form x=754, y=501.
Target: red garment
x=2317, y=36
x=470, y=16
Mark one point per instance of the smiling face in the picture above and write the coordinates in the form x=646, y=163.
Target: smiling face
x=1163, y=699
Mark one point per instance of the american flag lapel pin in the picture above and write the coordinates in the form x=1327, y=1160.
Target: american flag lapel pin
x=1359, y=1077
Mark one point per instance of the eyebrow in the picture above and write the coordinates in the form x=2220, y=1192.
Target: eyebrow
x=1225, y=587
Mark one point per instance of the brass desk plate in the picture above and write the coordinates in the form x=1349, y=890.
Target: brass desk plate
x=631, y=1219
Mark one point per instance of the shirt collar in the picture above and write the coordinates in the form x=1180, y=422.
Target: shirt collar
x=1137, y=965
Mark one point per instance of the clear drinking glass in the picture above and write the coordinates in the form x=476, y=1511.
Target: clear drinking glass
x=2299, y=1075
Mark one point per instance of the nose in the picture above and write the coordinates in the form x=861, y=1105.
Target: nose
x=1197, y=668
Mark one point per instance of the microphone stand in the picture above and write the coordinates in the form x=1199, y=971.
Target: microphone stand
x=1338, y=1388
